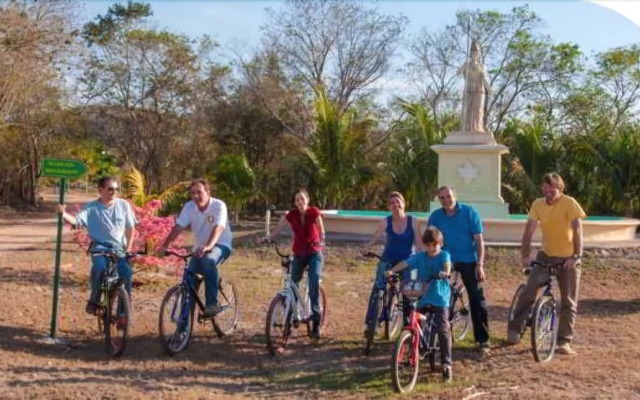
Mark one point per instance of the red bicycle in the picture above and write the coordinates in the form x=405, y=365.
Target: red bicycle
x=418, y=340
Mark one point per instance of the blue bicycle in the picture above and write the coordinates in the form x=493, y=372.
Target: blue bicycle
x=542, y=316
x=386, y=307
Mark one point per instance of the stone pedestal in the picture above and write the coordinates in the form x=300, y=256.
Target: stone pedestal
x=474, y=171
x=470, y=138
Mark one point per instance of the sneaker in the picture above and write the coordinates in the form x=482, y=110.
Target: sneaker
x=565, y=349
x=315, y=329
x=484, y=347
x=92, y=308
x=513, y=337
x=212, y=311
x=447, y=374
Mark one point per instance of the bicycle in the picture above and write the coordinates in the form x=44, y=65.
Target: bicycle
x=289, y=309
x=459, y=315
x=113, y=310
x=178, y=308
x=417, y=341
x=387, y=309
x=542, y=316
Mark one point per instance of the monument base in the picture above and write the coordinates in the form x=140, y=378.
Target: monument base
x=470, y=138
x=485, y=209
x=474, y=171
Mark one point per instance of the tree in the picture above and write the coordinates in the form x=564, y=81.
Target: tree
x=410, y=163
x=335, y=157
x=525, y=68
x=36, y=40
x=343, y=45
x=234, y=181
x=534, y=151
x=143, y=79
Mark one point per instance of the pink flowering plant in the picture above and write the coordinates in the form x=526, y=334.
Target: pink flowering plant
x=150, y=233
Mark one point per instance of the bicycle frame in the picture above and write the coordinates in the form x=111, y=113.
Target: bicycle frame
x=553, y=272
x=111, y=277
x=193, y=294
x=291, y=292
x=387, y=291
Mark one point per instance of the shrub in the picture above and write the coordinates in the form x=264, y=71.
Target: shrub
x=150, y=233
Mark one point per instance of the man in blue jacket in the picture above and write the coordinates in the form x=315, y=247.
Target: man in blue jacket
x=462, y=229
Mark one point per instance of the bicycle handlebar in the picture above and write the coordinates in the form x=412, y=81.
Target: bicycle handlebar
x=371, y=254
x=276, y=247
x=534, y=263
x=113, y=254
x=540, y=264
x=185, y=257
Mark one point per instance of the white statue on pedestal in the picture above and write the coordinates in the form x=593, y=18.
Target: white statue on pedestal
x=476, y=88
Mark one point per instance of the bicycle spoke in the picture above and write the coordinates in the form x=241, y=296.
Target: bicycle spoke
x=175, y=323
x=226, y=321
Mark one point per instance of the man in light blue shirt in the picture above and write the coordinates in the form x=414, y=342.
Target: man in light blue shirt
x=462, y=229
x=110, y=223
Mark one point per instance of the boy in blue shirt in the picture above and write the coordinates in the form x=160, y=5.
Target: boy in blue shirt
x=434, y=265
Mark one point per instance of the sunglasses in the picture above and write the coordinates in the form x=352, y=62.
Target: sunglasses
x=112, y=189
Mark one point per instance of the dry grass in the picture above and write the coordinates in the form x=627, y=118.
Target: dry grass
x=606, y=367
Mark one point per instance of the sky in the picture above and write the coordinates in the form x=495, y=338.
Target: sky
x=593, y=26
x=235, y=25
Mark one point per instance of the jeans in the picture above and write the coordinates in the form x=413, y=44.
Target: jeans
x=568, y=283
x=443, y=327
x=99, y=269
x=207, y=266
x=477, y=301
x=315, y=262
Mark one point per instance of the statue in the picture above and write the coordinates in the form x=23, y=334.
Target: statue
x=475, y=87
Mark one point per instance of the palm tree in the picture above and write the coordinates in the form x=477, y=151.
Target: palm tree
x=411, y=164
x=335, y=155
x=534, y=151
x=134, y=188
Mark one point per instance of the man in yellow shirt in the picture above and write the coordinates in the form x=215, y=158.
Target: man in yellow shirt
x=560, y=217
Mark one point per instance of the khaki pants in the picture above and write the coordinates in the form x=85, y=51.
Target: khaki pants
x=568, y=282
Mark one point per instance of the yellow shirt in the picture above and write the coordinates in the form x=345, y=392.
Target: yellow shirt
x=555, y=223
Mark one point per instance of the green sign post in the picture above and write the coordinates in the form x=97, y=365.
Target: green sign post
x=63, y=169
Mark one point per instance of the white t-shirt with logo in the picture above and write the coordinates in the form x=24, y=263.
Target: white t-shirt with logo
x=203, y=222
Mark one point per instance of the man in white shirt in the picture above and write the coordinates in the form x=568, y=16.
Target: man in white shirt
x=207, y=217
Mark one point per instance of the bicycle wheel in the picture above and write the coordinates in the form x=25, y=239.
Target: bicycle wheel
x=322, y=303
x=278, y=326
x=544, y=328
x=175, y=323
x=459, y=313
x=405, y=363
x=116, y=321
x=512, y=308
x=376, y=300
x=393, y=322
x=226, y=321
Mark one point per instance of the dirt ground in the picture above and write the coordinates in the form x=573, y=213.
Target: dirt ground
x=608, y=332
